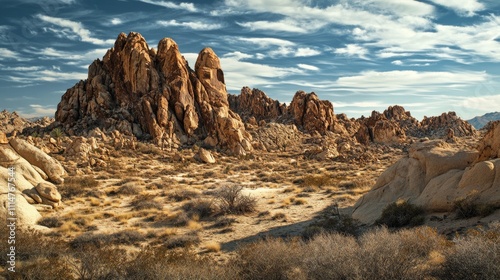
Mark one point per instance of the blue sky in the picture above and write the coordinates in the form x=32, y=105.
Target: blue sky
x=430, y=56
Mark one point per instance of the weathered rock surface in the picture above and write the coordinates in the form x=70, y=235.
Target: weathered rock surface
x=154, y=94
x=254, y=103
x=438, y=126
x=29, y=186
x=312, y=114
x=205, y=156
x=435, y=174
x=36, y=157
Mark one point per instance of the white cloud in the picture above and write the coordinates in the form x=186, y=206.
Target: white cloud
x=42, y=111
x=397, y=62
x=89, y=56
x=196, y=25
x=238, y=55
x=273, y=26
x=172, y=5
x=22, y=68
x=267, y=42
x=462, y=7
x=294, y=52
x=72, y=30
x=353, y=50
x=397, y=81
x=308, y=67
x=8, y=54
x=116, y=21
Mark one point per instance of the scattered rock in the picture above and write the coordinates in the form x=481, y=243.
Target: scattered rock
x=48, y=191
x=205, y=156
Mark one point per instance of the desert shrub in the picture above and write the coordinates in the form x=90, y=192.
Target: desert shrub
x=98, y=263
x=231, y=200
x=468, y=207
x=332, y=256
x=91, y=240
x=319, y=181
x=223, y=221
x=129, y=189
x=78, y=186
x=142, y=202
x=50, y=222
x=161, y=263
x=472, y=258
x=181, y=241
x=343, y=224
x=181, y=195
x=271, y=259
x=385, y=256
x=57, y=132
x=201, y=208
x=401, y=213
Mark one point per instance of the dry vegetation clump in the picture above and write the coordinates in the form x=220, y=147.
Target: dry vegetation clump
x=182, y=195
x=232, y=201
x=130, y=189
x=316, y=181
x=143, y=202
x=50, y=222
x=467, y=207
x=200, y=208
x=475, y=256
x=78, y=186
x=416, y=253
x=400, y=214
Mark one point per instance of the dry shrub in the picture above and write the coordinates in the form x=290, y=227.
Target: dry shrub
x=343, y=224
x=130, y=189
x=50, y=222
x=232, y=201
x=78, y=186
x=142, y=202
x=475, y=256
x=90, y=240
x=181, y=195
x=318, y=181
x=401, y=213
x=332, y=256
x=468, y=207
x=270, y=259
x=201, y=208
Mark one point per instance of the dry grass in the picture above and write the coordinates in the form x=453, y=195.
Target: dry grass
x=212, y=246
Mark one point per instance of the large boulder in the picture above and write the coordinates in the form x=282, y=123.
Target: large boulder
x=153, y=93
x=255, y=103
x=36, y=157
x=433, y=175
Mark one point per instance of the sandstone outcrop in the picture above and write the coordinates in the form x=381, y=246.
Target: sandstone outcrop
x=312, y=114
x=205, y=156
x=154, y=94
x=10, y=122
x=254, y=103
x=438, y=126
x=435, y=174
x=30, y=169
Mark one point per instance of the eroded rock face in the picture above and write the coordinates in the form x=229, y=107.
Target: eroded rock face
x=434, y=175
x=254, y=103
x=30, y=166
x=438, y=126
x=154, y=94
x=312, y=114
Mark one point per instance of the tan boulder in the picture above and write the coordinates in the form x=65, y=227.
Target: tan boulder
x=35, y=156
x=205, y=156
x=48, y=191
x=312, y=114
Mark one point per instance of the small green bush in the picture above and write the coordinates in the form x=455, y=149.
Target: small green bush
x=401, y=214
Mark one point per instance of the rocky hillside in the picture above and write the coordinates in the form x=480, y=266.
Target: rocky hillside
x=154, y=94
x=480, y=121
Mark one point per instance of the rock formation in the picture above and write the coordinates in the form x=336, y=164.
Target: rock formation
x=32, y=169
x=312, y=114
x=154, y=94
x=255, y=103
x=435, y=174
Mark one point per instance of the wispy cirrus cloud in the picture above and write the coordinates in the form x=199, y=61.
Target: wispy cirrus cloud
x=308, y=67
x=72, y=30
x=294, y=52
x=172, y=5
x=462, y=7
x=195, y=25
x=6, y=54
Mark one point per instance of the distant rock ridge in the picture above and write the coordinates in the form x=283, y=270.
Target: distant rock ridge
x=154, y=94
x=480, y=122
